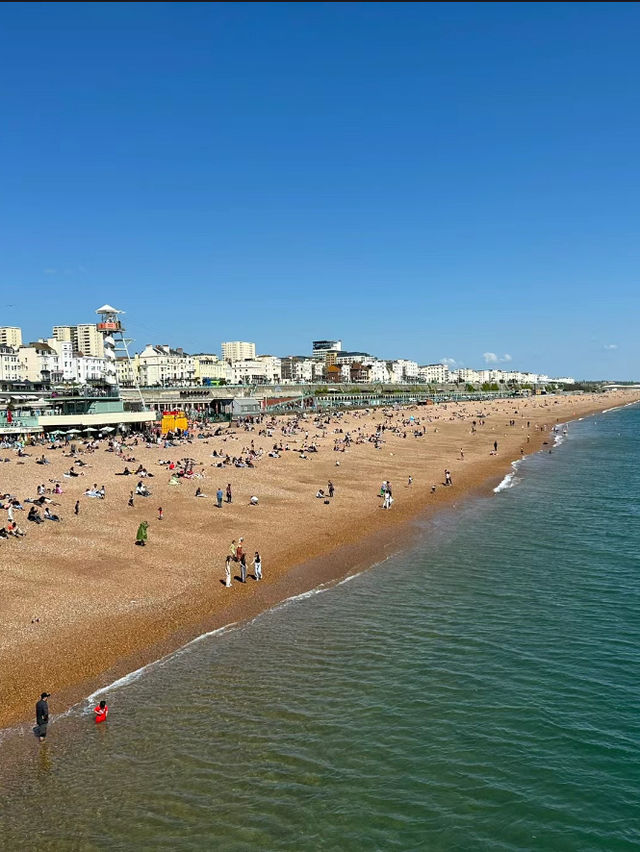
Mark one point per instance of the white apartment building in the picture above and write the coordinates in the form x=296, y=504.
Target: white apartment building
x=238, y=350
x=403, y=370
x=162, y=365
x=378, y=371
x=85, y=338
x=74, y=366
x=127, y=371
x=352, y=358
x=437, y=374
x=11, y=335
x=263, y=370
x=209, y=366
x=297, y=369
x=40, y=362
x=11, y=367
x=468, y=375
x=54, y=360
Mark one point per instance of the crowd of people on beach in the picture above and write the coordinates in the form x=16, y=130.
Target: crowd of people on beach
x=164, y=465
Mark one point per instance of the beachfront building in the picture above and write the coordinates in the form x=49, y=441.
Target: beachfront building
x=263, y=370
x=11, y=335
x=403, y=370
x=161, y=365
x=40, y=362
x=298, y=369
x=52, y=360
x=210, y=369
x=128, y=371
x=341, y=358
x=436, y=374
x=467, y=375
x=11, y=366
x=85, y=338
x=238, y=350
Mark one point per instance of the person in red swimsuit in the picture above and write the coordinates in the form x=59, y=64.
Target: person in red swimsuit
x=101, y=711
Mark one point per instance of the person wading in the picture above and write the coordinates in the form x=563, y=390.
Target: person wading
x=42, y=716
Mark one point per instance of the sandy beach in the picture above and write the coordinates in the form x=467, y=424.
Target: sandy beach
x=81, y=604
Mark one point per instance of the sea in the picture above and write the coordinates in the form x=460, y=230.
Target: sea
x=479, y=691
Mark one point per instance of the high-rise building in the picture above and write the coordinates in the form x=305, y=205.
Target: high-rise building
x=238, y=350
x=85, y=338
x=10, y=335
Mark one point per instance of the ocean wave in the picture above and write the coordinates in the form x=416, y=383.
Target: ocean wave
x=509, y=480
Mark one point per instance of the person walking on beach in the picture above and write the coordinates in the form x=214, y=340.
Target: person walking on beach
x=243, y=568
x=233, y=551
x=257, y=566
x=76, y=508
x=330, y=488
x=495, y=446
x=227, y=573
x=410, y=482
x=141, y=535
x=131, y=503
x=447, y=477
x=219, y=497
x=240, y=549
x=228, y=492
x=42, y=716
x=101, y=711
x=160, y=513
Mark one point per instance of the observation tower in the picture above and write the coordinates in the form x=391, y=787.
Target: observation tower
x=112, y=330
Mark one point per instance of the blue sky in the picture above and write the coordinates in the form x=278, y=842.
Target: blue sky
x=427, y=181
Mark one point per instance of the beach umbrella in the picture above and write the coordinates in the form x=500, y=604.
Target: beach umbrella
x=107, y=429
x=73, y=432
x=89, y=429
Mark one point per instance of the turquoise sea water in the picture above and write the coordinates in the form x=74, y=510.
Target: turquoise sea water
x=481, y=691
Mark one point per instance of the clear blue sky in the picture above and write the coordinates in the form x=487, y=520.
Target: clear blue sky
x=428, y=181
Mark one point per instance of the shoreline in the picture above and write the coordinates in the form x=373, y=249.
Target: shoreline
x=333, y=562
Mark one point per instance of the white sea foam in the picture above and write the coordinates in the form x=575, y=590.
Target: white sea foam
x=510, y=479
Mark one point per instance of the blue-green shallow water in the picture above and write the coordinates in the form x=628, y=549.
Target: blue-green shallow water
x=481, y=691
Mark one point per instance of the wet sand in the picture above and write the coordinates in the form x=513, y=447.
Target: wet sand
x=106, y=607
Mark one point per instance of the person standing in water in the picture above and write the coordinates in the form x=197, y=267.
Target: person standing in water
x=101, y=711
x=42, y=716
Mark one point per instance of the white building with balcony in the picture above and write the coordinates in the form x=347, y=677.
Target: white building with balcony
x=162, y=365
x=437, y=374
